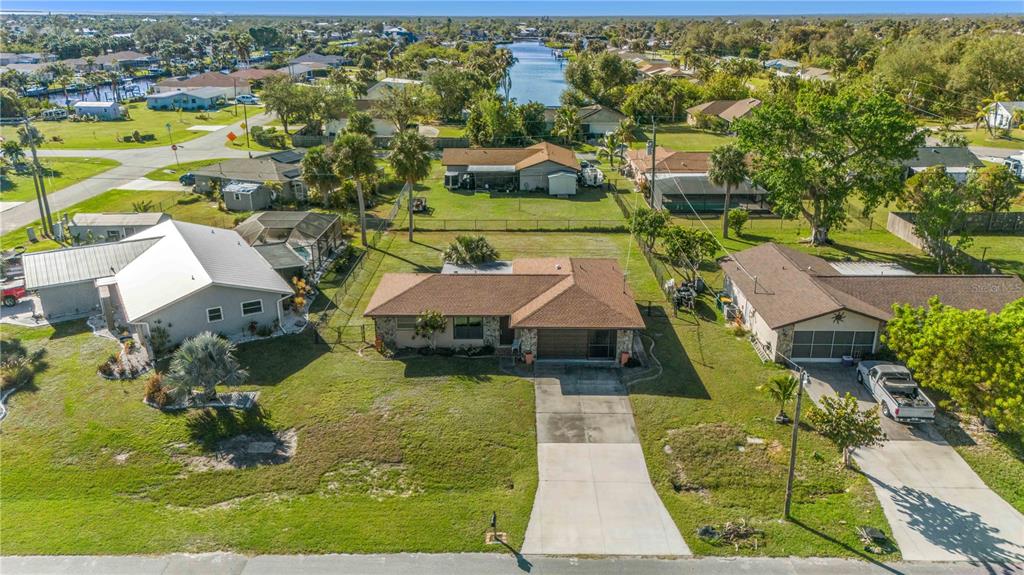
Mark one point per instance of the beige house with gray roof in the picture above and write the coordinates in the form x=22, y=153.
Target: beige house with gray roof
x=804, y=308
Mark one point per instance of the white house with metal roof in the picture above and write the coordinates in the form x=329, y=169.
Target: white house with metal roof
x=65, y=279
x=180, y=277
x=198, y=278
x=111, y=227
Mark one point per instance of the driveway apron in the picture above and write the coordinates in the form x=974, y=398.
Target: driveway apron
x=595, y=496
x=937, y=506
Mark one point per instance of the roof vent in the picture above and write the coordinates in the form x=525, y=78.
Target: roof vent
x=558, y=266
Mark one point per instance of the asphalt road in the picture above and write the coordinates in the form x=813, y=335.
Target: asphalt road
x=135, y=163
x=472, y=564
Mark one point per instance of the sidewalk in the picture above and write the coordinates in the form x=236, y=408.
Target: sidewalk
x=469, y=564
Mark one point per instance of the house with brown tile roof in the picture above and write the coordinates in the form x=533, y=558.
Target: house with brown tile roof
x=229, y=86
x=552, y=308
x=540, y=167
x=255, y=74
x=681, y=183
x=806, y=308
x=728, y=110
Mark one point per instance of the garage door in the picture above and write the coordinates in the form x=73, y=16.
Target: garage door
x=562, y=343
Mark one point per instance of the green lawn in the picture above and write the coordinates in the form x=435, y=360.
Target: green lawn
x=1005, y=251
x=684, y=138
x=59, y=174
x=103, y=135
x=981, y=137
x=495, y=210
x=704, y=406
x=183, y=206
x=450, y=131
x=171, y=172
x=392, y=456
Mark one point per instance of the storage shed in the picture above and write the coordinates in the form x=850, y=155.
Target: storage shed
x=246, y=197
x=562, y=184
x=99, y=110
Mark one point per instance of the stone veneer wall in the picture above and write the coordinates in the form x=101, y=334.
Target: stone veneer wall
x=387, y=329
x=492, y=330
x=784, y=344
x=623, y=342
x=527, y=340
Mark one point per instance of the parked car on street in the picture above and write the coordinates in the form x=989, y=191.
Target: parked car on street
x=894, y=388
x=247, y=99
x=187, y=179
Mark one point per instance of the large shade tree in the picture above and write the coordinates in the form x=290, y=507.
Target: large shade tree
x=410, y=160
x=973, y=356
x=940, y=208
x=353, y=158
x=993, y=188
x=815, y=151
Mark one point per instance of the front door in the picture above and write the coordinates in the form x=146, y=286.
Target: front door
x=506, y=334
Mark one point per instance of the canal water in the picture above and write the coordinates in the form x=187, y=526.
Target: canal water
x=538, y=75
x=139, y=87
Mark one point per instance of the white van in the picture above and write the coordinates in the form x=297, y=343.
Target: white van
x=54, y=114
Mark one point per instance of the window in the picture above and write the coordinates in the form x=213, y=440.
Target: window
x=251, y=307
x=469, y=327
x=214, y=314
x=113, y=235
x=407, y=323
x=238, y=197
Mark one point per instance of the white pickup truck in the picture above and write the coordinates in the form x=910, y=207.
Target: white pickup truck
x=895, y=390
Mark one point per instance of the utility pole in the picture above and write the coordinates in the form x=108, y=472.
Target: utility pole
x=792, y=448
x=245, y=113
x=44, y=205
x=653, y=152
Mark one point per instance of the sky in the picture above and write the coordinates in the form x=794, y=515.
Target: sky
x=522, y=7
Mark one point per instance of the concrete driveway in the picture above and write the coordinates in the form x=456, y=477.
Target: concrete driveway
x=595, y=496
x=937, y=506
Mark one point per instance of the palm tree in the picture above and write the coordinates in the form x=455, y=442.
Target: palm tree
x=353, y=158
x=627, y=131
x=13, y=151
x=410, y=160
x=781, y=390
x=503, y=61
x=610, y=147
x=983, y=110
x=204, y=361
x=727, y=167
x=318, y=172
x=567, y=124
x=469, y=250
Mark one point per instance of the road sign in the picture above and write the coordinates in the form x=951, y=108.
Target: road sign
x=174, y=147
x=232, y=136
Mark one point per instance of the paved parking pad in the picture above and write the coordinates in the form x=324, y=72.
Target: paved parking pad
x=937, y=506
x=595, y=495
